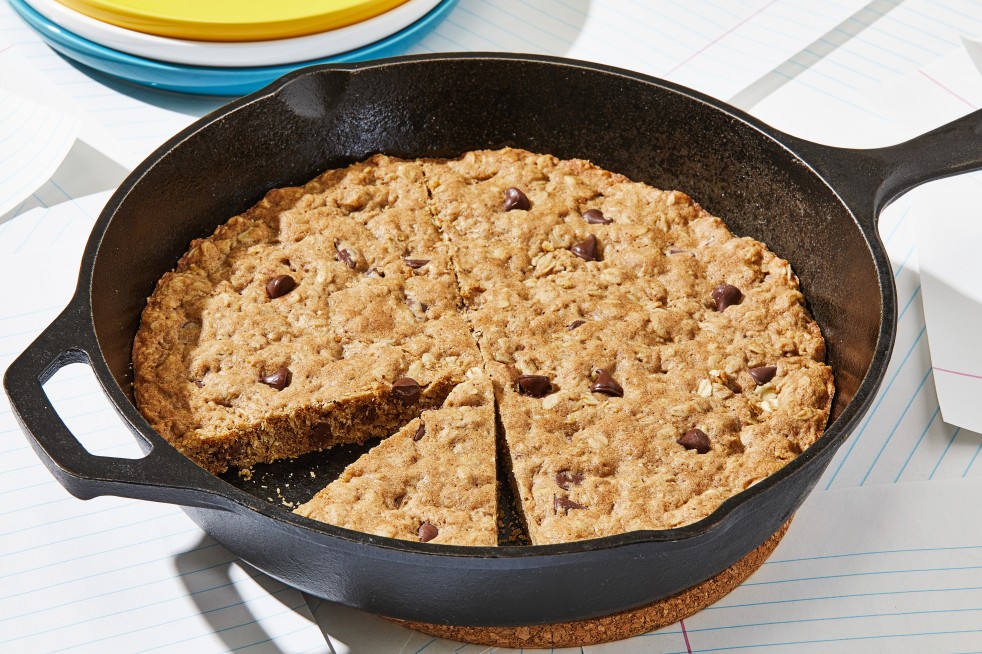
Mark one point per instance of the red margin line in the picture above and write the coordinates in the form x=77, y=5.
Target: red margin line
x=949, y=91
x=717, y=40
x=956, y=372
x=685, y=635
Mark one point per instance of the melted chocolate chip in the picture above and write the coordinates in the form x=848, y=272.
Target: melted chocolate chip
x=573, y=325
x=586, y=250
x=515, y=199
x=406, y=389
x=420, y=432
x=427, y=532
x=564, y=504
x=605, y=384
x=534, y=385
x=279, y=379
x=695, y=439
x=726, y=295
x=416, y=264
x=320, y=431
x=565, y=479
x=345, y=256
x=279, y=286
x=199, y=383
x=595, y=217
x=763, y=374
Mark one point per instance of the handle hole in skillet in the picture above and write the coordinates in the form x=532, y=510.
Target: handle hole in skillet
x=77, y=397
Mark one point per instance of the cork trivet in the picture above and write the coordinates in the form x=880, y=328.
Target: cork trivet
x=612, y=627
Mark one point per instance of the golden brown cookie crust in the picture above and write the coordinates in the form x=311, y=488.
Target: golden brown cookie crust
x=439, y=470
x=525, y=292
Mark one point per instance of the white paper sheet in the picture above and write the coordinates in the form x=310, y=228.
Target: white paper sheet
x=21, y=77
x=903, y=437
x=706, y=47
x=948, y=228
x=33, y=142
x=889, y=568
x=109, y=574
x=716, y=47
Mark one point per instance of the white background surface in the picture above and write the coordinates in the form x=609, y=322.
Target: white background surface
x=840, y=72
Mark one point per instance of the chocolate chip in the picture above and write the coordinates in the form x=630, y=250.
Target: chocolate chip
x=406, y=389
x=420, y=432
x=427, y=532
x=595, y=217
x=279, y=379
x=534, y=385
x=515, y=199
x=726, y=295
x=320, y=431
x=199, y=383
x=279, y=286
x=695, y=439
x=586, y=250
x=573, y=325
x=345, y=256
x=605, y=384
x=763, y=374
x=565, y=479
x=564, y=504
x=416, y=264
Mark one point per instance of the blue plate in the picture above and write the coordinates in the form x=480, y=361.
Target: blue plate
x=202, y=80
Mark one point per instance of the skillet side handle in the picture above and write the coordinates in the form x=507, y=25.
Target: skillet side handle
x=869, y=180
x=155, y=477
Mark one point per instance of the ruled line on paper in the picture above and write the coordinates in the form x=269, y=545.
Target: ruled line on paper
x=904, y=568
x=710, y=60
x=829, y=102
x=63, y=587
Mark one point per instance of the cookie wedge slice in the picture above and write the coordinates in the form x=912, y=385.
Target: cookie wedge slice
x=433, y=481
x=296, y=326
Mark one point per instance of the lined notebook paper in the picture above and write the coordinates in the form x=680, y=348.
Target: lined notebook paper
x=903, y=437
x=109, y=574
x=889, y=568
x=26, y=127
x=716, y=47
x=804, y=67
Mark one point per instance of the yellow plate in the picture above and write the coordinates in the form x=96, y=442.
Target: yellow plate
x=231, y=20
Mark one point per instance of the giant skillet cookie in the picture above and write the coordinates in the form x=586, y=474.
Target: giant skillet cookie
x=646, y=364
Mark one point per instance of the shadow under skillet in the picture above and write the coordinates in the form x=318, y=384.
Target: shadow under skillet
x=205, y=572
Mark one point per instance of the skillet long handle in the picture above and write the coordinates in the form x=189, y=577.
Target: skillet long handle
x=869, y=180
x=157, y=476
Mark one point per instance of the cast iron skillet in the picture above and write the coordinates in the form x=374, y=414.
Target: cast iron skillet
x=814, y=205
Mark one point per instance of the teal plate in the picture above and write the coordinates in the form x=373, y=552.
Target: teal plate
x=202, y=80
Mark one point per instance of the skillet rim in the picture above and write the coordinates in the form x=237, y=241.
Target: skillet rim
x=202, y=481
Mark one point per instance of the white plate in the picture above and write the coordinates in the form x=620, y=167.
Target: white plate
x=235, y=55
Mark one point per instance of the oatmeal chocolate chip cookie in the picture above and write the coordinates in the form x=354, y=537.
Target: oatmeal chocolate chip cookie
x=647, y=364
x=432, y=481
x=674, y=364
x=292, y=327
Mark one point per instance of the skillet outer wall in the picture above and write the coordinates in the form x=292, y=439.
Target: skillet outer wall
x=441, y=106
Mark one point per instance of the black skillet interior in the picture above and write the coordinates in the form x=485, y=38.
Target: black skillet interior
x=815, y=205
x=438, y=107
x=328, y=118
x=443, y=105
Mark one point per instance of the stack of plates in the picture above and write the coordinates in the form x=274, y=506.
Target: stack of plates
x=225, y=47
